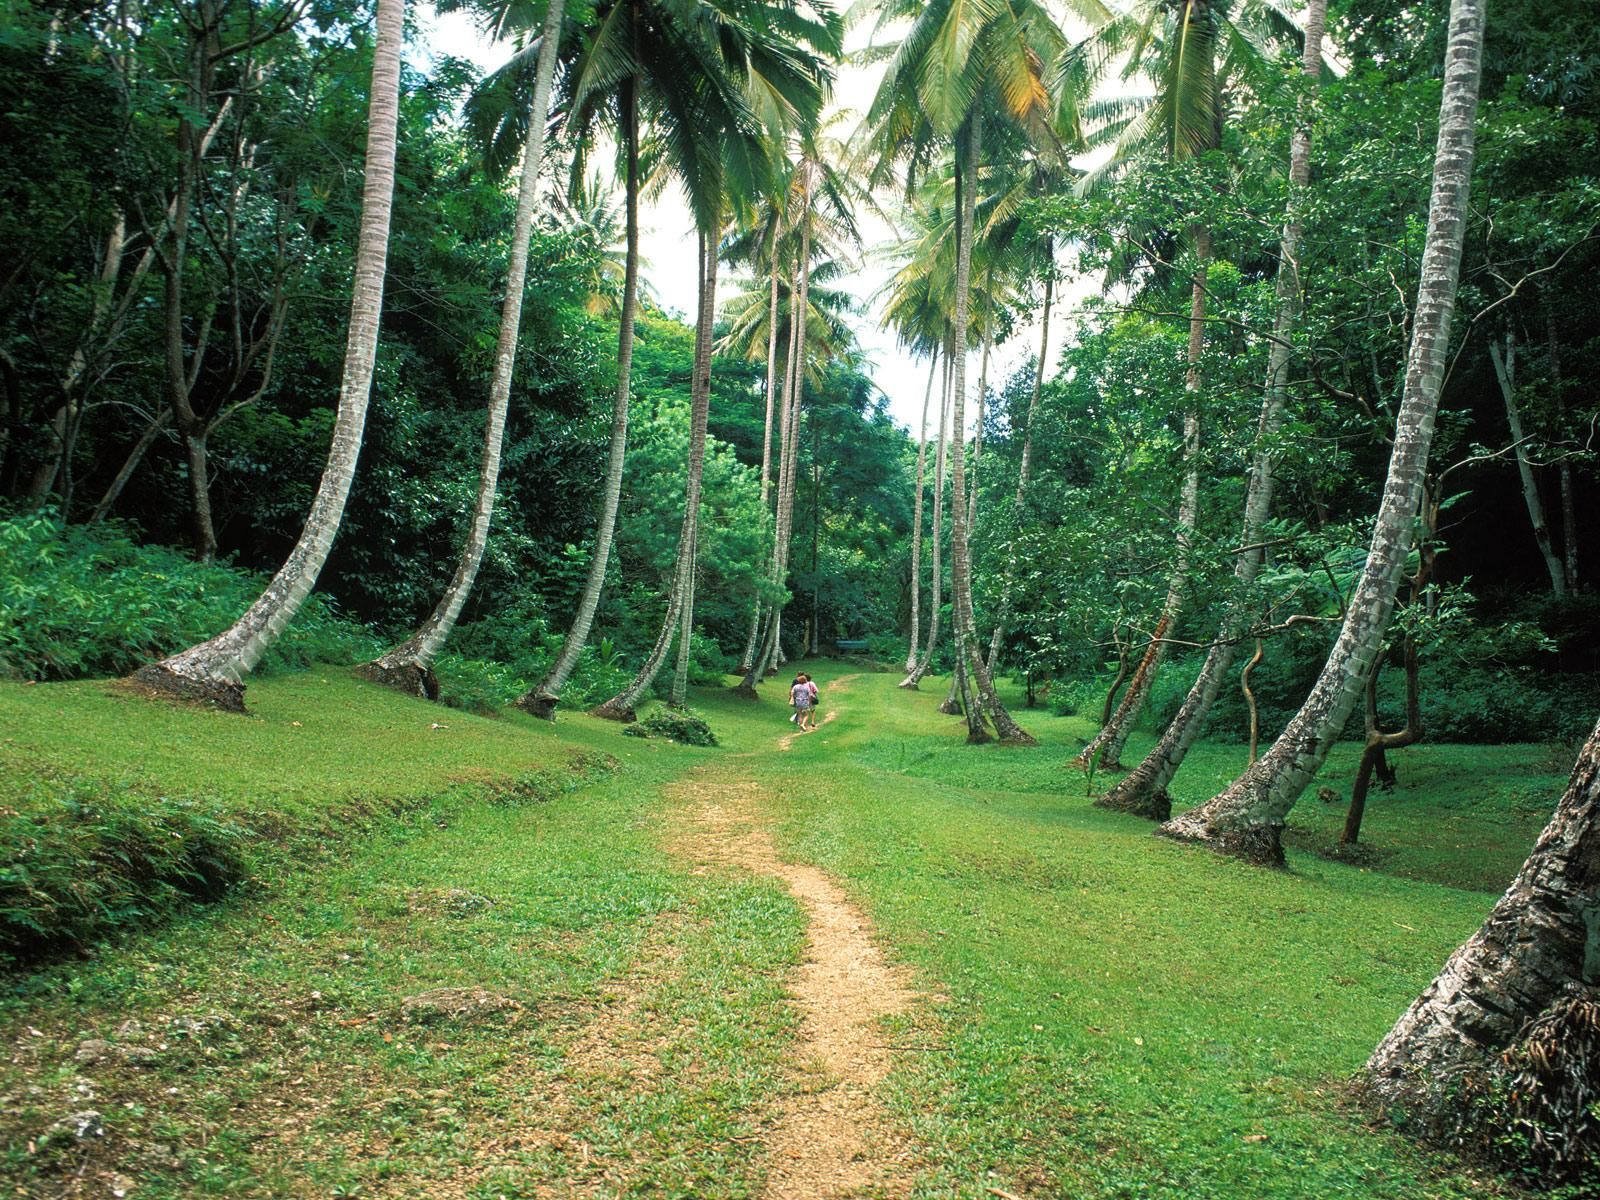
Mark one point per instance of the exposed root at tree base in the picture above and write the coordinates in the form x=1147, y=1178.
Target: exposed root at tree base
x=1139, y=802
x=157, y=682
x=410, y=678
x=614, y=712
x=1258, y=845
x=831, y=1140
x=542, y=705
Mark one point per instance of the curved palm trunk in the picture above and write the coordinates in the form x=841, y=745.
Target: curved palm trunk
x=747, y=659
x=213, y=672
x=680, y=606
x=1536, y=950
x=1025, y=467
x=542, y=700
x=409, y=666
x=1144, y=789
x=1246, y=819
x=936, y=596
x=985, y=700
x=916, y=528
x=1105, y=748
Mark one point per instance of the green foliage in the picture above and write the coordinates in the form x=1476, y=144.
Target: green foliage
x=89, y=862
x=685, y=728
x=86, y=600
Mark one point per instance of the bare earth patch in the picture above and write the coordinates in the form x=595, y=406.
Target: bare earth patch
x=830, y=1138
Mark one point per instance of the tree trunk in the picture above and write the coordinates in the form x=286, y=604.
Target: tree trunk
x=1246, y=818
x=680, y=607
x=1539, y=945
x=1569, y=509
x=936, y=590
x=542, y=700
x=747, y=660
x=1505, y=368
x=1144, y=789
x=916, y=530
x=214, y=671
x=1374, y=755
x=1025, y=467
x=130, y=464
x=409, y=666
x=1250, y=700
x=984, y=700
x=205, y=534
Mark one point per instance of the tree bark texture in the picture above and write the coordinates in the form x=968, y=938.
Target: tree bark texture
x=916, y=529
x=1247, y=818
x=542, y=700
x=1540, y=943
x=409, y=666
x=1143, y=790
x=214, y=671
x=936, y=567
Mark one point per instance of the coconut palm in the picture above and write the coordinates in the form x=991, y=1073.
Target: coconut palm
x=214, y=670
x=686, y=73
x=958, y=68
x=409, y=666
x=1190, y=54
x=1144, y=789
x=1246, y=818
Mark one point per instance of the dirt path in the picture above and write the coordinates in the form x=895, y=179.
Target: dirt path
x=841, y=684
x=830, y=1139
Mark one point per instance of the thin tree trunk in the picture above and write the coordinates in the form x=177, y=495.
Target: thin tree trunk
x=1246, y=818
x=1250, y=699
x=985, y=701
x=1144, y=789
x=542, y=700
x=409, y=666
x=1025, y=467
x=1379, y=744
x=679, y=696
x=935, y=595
x=916, y=529
x=214, y=671
x=130, y=464
x=1569, y=510
x=622, y=706
x=1536, y=950
x=747, y=659
x=1505, y=368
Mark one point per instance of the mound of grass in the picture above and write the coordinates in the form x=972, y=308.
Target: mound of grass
x=685, y=728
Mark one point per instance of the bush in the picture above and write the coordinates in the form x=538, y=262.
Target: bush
x=685, y=728
x=1075, y=697
x=83, y=600
x=87, y=864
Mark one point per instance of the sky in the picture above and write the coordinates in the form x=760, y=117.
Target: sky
x=667, y=245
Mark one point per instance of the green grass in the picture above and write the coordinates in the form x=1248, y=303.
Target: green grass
x=1109, y=1015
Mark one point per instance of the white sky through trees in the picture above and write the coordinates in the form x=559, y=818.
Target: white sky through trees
x=667, y=245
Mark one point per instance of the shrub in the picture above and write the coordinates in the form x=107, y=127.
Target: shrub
x=86, y=600
x=85, y=864
x=682, y=727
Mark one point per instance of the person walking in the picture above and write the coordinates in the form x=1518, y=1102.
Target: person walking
x=801, y=697
x=816, y=695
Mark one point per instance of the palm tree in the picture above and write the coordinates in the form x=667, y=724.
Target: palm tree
x=213, y=671
x=1191, y=51
x=1245, y=819
x=1144, y=789
x=409, y=666
x=957, y=67
x=757, y=71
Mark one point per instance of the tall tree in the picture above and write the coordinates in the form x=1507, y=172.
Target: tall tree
x=1144, y=789
x=214, y=671
x=1246, y=819
x=409, y=666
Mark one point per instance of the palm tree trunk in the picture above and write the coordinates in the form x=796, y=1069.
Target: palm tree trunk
x=680, y=607
x=214, y=670
x=916, y=528
x=1105, y=748
x=747, y=659
x=936, y=597
x=1246, y=818
x=1505, y=367
x=542, y=700
x=409, y=666
x=1534, y=954
x=986, y=702
x=1144, y=789
x=1025, y=467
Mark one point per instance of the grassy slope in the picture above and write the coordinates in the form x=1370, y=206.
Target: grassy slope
x=1113, y=1016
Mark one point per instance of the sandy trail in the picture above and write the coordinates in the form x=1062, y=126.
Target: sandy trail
x=831, y=1138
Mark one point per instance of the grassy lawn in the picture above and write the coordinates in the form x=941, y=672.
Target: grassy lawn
x=1108, y=1015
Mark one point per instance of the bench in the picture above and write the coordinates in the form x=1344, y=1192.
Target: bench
x=852, y=645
